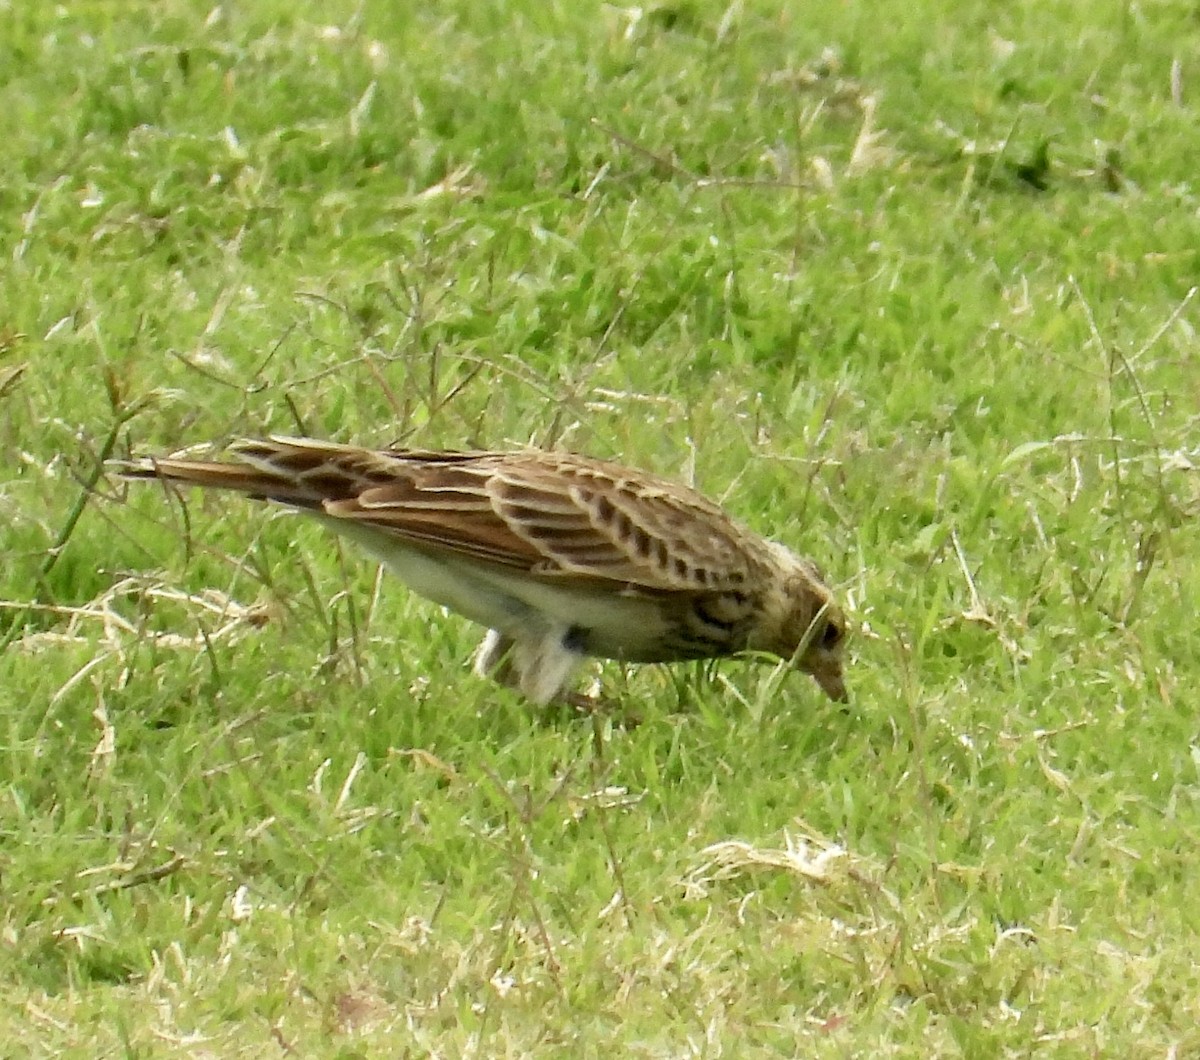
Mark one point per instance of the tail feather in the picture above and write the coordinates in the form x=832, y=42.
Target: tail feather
x=258, y=482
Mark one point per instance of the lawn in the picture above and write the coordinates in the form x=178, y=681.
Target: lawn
x=909, y=287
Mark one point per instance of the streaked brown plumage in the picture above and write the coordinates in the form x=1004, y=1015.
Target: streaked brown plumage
x=559, y=555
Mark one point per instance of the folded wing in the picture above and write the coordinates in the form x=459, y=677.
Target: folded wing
x=552, y=515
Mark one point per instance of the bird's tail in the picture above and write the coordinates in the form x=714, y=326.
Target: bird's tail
x=290, y=471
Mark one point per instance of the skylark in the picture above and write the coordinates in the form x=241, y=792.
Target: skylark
x=559, y=556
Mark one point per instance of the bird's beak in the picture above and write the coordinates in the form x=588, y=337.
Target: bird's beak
x=833, y=684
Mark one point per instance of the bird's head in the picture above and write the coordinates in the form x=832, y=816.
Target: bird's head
x=804, y=623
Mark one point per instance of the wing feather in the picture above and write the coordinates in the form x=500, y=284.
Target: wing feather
x=555, y=516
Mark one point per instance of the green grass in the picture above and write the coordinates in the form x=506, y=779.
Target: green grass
x=907, y=288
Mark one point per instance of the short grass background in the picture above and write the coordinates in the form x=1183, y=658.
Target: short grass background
x=908, y=285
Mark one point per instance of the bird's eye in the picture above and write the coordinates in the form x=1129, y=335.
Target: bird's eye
x=831, y=637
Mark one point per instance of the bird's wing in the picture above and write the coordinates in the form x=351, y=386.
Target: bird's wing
x=554, y=516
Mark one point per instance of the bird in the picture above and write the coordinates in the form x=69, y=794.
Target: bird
x=560, y=556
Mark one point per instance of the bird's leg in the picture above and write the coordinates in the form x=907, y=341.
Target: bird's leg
x=544, y=665
x=533, y=666
x=538, y=668
x=492, y=659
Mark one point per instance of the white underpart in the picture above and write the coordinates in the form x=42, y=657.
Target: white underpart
x=534, y=615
